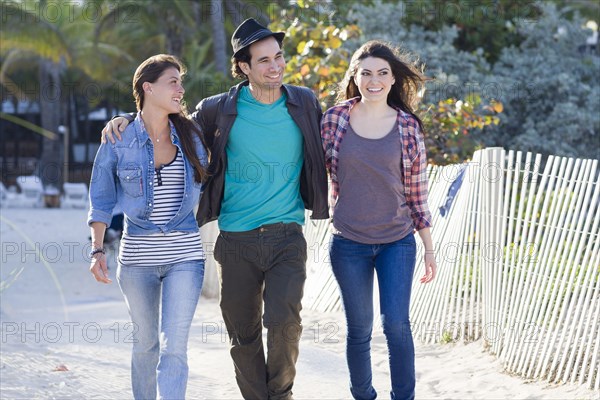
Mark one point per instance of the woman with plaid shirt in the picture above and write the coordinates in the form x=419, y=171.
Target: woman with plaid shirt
x=375, y=156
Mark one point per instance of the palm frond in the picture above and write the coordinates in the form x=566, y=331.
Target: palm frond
x=28, y=125
x=39, y=36
x=119, y=16
x=185, y=11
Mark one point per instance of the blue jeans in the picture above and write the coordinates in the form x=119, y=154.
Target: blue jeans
x=354, y=265
x=168, y=294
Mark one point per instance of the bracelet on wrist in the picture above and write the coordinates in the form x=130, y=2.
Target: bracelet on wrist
x=98, y=250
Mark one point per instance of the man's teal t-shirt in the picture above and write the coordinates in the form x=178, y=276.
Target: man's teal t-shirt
x=265, y=153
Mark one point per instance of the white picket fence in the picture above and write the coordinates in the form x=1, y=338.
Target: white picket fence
x=518, y=264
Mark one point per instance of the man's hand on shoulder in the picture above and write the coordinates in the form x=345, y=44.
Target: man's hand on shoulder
x=113, y=128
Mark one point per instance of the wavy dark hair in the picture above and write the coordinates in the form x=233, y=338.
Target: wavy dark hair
x=149, y=71
x=409, y=77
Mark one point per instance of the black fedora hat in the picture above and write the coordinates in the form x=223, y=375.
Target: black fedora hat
x=251, y=31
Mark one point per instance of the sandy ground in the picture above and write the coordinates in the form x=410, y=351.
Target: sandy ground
x=64, y=336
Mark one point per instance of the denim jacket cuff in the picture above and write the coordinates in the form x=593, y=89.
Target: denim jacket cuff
x=99, y=216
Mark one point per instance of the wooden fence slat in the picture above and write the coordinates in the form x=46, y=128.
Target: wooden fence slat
x=533, y=214
x=573, y=219
x=551, y=271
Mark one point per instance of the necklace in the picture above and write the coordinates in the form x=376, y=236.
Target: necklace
x=158, y=137
x=159, y=134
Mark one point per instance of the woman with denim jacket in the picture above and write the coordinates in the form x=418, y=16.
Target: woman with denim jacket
x=376, y=159
x=155, y=174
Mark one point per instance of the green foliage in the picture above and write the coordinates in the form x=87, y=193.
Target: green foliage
x=144, y=29
x=487, y=25
x=549, y=86
x=447, y=337
x=65, y=39
x=448, y=126
x=201, y=79
x=450, y=67
x=314, y=53
x=68, y=35
x=484, y=24
x=98, y=52
x=26, y=31
x=586, y=9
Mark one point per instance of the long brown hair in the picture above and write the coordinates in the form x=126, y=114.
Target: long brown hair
x=404, y=93
x=149, y=71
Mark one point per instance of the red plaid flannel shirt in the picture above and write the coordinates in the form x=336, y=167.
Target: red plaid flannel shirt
x=413, y=164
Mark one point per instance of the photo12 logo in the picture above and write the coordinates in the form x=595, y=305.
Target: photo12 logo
x=67, y=12
x=67, y=332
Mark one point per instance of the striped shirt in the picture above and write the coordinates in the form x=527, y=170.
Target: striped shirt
x=413, y=164
x=173, y=247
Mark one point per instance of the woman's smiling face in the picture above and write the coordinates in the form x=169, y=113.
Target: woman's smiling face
x=374, y=79
x=167, y=92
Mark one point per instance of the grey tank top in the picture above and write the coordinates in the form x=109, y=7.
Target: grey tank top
x=371, y=207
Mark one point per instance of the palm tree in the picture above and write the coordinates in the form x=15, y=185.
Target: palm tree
x=172, y=22
x=217, y=22
x=182, y=23
x=58, y=43
x=73, y=50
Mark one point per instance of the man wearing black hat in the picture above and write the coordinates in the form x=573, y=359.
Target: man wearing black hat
x=267, y=167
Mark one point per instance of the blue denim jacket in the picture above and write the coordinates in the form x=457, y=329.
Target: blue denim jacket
x=124, y=172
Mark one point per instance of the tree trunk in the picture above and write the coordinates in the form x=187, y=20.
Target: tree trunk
x=234, y=9
x=174, y=34
x=50, y=167
x=217, y=21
